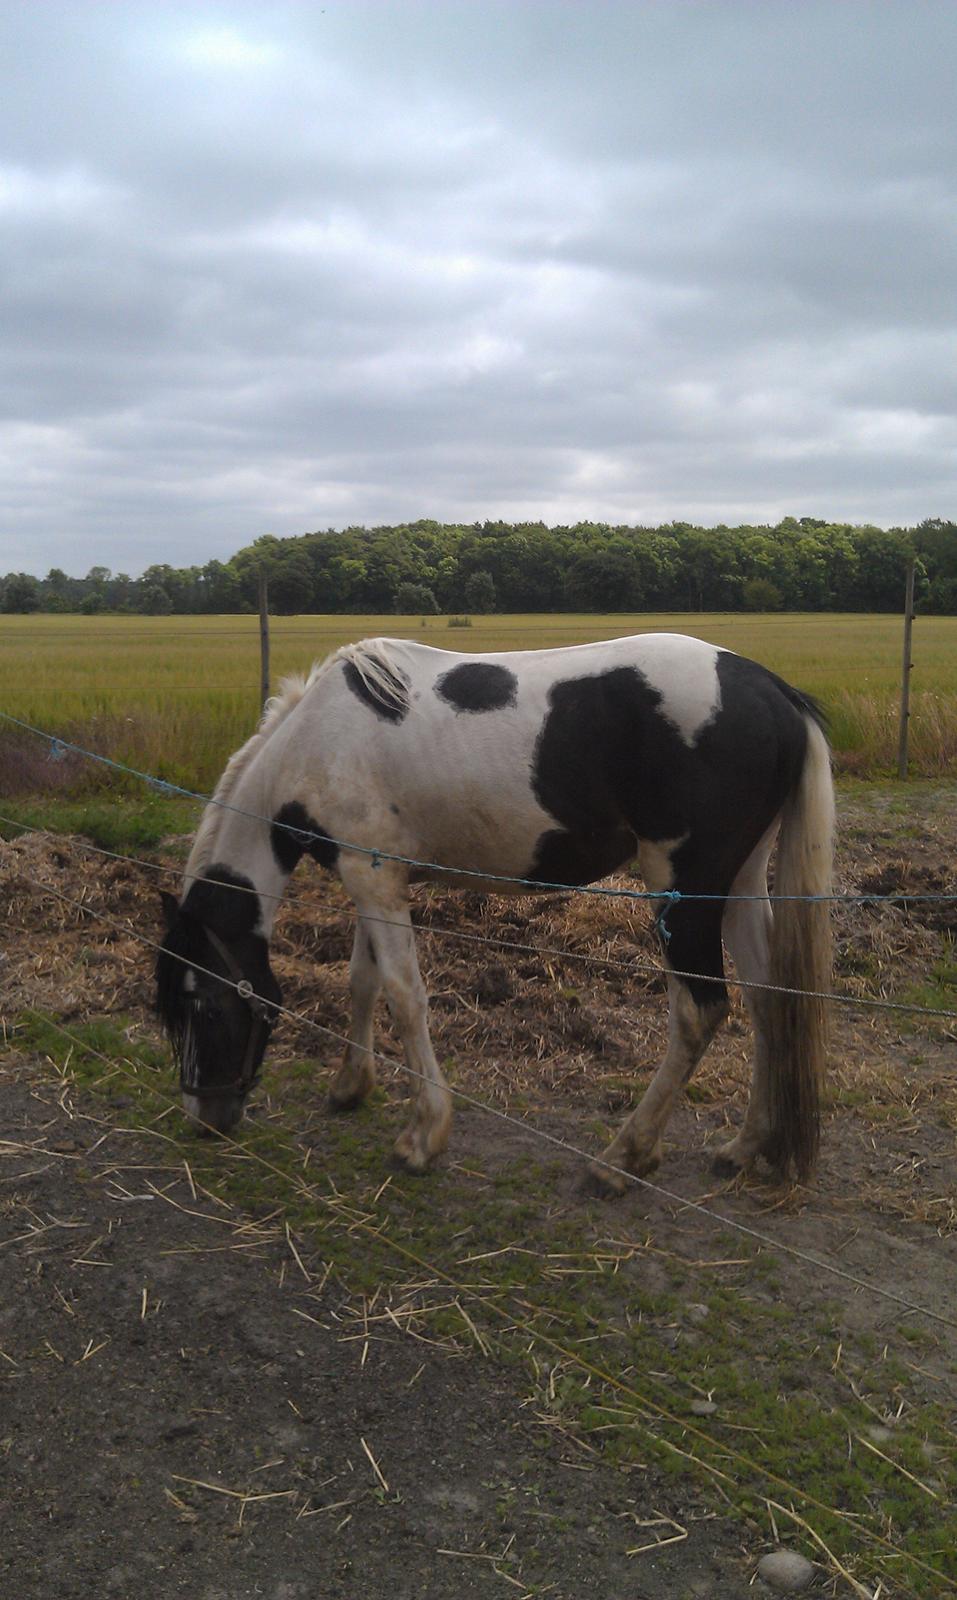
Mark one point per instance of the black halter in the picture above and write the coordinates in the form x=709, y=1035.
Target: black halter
x=263, y=1017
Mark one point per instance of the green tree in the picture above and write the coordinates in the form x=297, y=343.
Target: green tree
x=883, y=556
x=21, y=592
x=415, y=599
x=220, y=589
x=760, y=594
x=154, y=601
x=479, y=592
x=604, y=578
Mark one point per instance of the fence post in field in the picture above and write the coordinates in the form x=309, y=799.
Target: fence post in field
x=263, y=637
x=906, y=672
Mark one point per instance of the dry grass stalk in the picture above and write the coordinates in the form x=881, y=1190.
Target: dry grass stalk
x=836, y=1563
x=869, y=1445
x=375, y=1467
x=658, y=1544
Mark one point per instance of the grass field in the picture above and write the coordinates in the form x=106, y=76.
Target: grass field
x=175, y=695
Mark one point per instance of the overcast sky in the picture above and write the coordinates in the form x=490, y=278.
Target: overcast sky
x=272, y=268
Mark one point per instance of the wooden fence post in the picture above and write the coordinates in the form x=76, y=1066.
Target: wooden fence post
x=906, y=672
x=263, y=637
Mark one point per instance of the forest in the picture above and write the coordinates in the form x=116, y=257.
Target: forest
x=800, y=564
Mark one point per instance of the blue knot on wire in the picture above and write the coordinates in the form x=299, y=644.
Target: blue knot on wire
x=58, y=750
x=663, y=931
x=376, y=860
x=161, y=784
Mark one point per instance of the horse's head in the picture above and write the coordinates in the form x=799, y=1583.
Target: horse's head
x=216, y=999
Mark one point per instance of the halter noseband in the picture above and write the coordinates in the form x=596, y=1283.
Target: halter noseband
x=263, y=1017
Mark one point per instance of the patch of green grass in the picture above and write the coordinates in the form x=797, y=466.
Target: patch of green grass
x=127, y=825
x=939, y=989
x=608, y=1355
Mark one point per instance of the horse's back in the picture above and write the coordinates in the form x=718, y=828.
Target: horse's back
x=553, y=764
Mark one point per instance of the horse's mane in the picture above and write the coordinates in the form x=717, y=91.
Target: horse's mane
x=371, y=659
x=375, y=663
x=275, y=711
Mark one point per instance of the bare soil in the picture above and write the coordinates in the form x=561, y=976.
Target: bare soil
x=193, y=1404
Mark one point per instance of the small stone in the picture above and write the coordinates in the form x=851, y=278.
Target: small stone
x=703, y=1408
x=880, y=1435
x=695, y=1312
x=785, y=1572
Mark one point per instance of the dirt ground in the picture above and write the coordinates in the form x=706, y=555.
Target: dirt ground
x=189, y=1405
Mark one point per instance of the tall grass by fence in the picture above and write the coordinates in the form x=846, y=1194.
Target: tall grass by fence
x=176, y=695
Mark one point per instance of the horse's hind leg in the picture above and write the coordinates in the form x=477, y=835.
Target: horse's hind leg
x=747, y=934
x=697, y=1007
x=356, y=1076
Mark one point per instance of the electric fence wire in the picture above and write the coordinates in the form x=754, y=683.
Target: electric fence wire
x=59, y=747
x=244, y=989
x=518, y=947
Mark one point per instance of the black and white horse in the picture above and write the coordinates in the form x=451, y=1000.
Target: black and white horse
x=553, y=766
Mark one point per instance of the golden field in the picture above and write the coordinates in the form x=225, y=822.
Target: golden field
x=174, y=695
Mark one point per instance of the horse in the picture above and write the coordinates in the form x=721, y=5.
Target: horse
x=393, y=762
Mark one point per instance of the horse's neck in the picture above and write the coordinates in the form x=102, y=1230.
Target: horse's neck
x=242, y=842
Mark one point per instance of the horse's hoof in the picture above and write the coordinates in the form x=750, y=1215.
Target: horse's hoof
x=616, y=1169
x=725, y=1166
x=344, y=1102
x=604, y=1182
x=733, y=1158
x=410, y=1152
x=607, y=1180
x=350, y=1086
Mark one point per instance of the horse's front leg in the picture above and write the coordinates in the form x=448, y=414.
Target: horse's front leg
x=356, y=1076
x=398, y=972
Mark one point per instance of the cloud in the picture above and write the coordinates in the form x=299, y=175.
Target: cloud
x=271, y=269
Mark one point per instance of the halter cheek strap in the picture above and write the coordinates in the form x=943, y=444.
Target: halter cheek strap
x=263, y=1018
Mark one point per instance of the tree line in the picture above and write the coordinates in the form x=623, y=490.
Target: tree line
x=800, y=564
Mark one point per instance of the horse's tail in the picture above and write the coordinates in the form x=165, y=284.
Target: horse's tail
x=801, y=960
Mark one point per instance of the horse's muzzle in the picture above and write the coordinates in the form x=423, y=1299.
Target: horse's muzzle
x=213, y=1113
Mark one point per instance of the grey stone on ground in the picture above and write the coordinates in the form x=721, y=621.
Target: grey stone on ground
x=785, y=1571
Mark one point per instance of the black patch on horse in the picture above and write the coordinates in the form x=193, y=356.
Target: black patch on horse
x=294, y=833
x=747, y=760
x=610, y=769
x=225, y=901
x=569, y=858
x=478, y=686
x=388, y=699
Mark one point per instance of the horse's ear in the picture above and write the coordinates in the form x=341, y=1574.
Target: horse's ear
x=170, y=906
